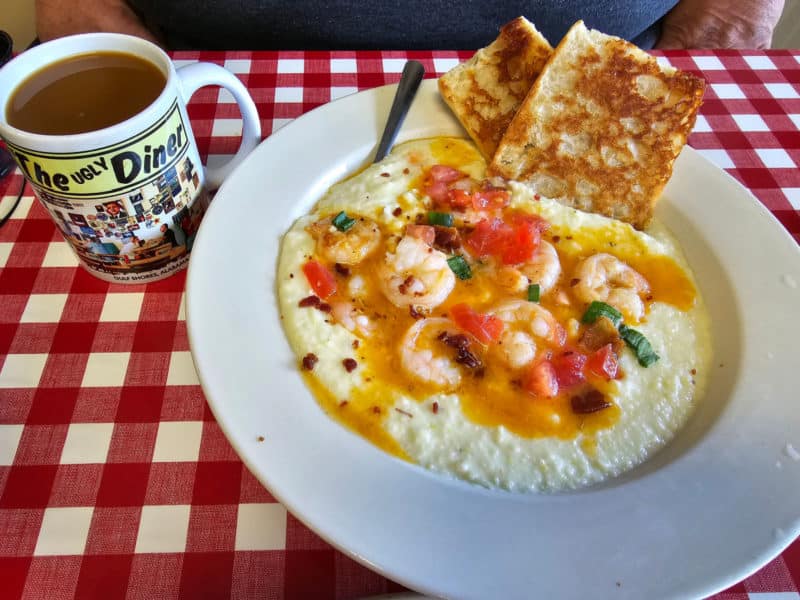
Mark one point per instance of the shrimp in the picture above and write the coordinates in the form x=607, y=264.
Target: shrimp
x=606, y=278
x=351, y=319
x=418, y=355
x=523, y=322
x=416, y=275
x=544, y=268
x=346, y=247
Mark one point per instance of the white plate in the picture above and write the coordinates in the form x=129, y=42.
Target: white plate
x=714, y=506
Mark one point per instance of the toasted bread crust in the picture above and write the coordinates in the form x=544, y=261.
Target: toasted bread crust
x=601, y=127
x=486, y=91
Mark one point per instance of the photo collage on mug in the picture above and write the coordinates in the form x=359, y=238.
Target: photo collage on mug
x=145, y=229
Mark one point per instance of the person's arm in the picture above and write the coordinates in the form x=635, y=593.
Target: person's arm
x=720, y=24
x=57, y=18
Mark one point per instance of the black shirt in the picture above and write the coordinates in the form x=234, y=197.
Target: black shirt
x=398, y=24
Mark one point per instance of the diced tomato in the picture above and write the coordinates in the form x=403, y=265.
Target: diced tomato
x=569, y=368
x=438, y=192
x=490, y=198
x=513, y=242
x=426, y=233
x=319, y=278
x=458, y=198
x=603, y=363
x=541, y=380
x=444, y=174
x=486, y=328
x=489, y=237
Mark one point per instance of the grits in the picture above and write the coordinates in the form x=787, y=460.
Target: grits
x=474, y=416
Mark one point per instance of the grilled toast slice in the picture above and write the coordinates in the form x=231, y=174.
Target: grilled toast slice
x=601, y=127
x=485, y=91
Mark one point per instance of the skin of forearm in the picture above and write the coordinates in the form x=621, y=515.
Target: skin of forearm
x=57, y=18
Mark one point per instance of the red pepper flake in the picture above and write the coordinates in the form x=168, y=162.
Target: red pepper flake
x=556, y=239
x=574, y=282
x=349, y=364
x=376, y=410
x=693, y=371
x=402, y=412
x=309, y=360
x=355, y=344
x=309, y=301
x=649, y=298
x=406, y=171
x=343, y=403
x=385, y=175
x=537, y=197
x=435, y=408
x=397, y=211
x=342, y=270
x=325, y=307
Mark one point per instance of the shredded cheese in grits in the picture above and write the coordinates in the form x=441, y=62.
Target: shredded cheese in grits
x=481, y=331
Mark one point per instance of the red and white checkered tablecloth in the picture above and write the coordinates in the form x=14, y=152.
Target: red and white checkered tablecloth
x=115, y=480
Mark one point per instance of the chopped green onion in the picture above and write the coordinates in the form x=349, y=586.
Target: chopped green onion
x=639, y=344
x=601, y=309
x=438, y=218
x=533, y=292
x=342, y=222
x=460, y=267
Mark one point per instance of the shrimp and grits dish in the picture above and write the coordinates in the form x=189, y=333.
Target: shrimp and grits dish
x=461, y=320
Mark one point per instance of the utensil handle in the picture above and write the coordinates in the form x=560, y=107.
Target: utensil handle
x=413, y=72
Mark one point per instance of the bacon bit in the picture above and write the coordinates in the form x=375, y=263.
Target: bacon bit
x=403, y=287
x=309, y=360
x=592, y=401
x=461, y=342
x=385, y=175
x=402, y=412
x=397, y=211
x=446, y=239
x=537, y=197
x=355, y=344
x=458, y=340
x=415, y=314
x=342, y=270
x=376, y=410
x=556, y=239
x=349, y=364
x=435, y=408
x=468, y=359
x=325, y=307
x=574, y=282
x=309, y=301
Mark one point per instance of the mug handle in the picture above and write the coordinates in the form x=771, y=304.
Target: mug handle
x=194, y=76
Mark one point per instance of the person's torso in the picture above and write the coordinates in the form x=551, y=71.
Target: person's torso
x=408, y=25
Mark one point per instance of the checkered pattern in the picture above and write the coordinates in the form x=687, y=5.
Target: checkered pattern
x=115, y=480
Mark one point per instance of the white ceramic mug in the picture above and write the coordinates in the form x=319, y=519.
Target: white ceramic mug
x=129, y=197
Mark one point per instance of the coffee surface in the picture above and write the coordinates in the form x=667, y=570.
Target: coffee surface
x=84, y=93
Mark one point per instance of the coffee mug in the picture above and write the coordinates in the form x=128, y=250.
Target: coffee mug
x=128, y=196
